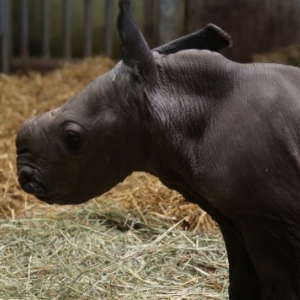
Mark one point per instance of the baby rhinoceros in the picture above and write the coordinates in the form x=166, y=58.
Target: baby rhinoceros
x=225, y=135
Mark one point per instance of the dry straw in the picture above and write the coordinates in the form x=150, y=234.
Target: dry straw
x=109, y=254
x=29, y=95
x=125, y=244
x=287, y=56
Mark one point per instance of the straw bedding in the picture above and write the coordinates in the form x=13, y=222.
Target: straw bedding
x=108, y=254
x=28, y=95
x=288, y=56
x=122, y=245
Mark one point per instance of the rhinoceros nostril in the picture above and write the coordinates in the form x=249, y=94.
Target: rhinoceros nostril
x=25, y=175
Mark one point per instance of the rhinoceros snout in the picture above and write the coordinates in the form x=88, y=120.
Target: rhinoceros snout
x=30, y=184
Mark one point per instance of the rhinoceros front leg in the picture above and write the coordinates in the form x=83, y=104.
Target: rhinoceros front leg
x=244, y=281
x=273, y=243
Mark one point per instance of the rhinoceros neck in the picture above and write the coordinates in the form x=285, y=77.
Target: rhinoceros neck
x=191, y=86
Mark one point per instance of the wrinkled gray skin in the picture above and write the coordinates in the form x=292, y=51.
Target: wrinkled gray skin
x=225, y=135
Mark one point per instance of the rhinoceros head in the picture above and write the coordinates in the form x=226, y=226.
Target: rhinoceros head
x=96, y=139
x=77, y=151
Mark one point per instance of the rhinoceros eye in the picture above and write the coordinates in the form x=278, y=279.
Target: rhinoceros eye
x=73, y=138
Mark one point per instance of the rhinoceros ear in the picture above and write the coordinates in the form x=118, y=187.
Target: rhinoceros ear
x=210, y=38
x=135, y=50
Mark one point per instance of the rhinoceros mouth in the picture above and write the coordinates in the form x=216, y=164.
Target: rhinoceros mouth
x=30, y=184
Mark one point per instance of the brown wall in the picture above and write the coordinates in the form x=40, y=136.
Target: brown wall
x=256, y=26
